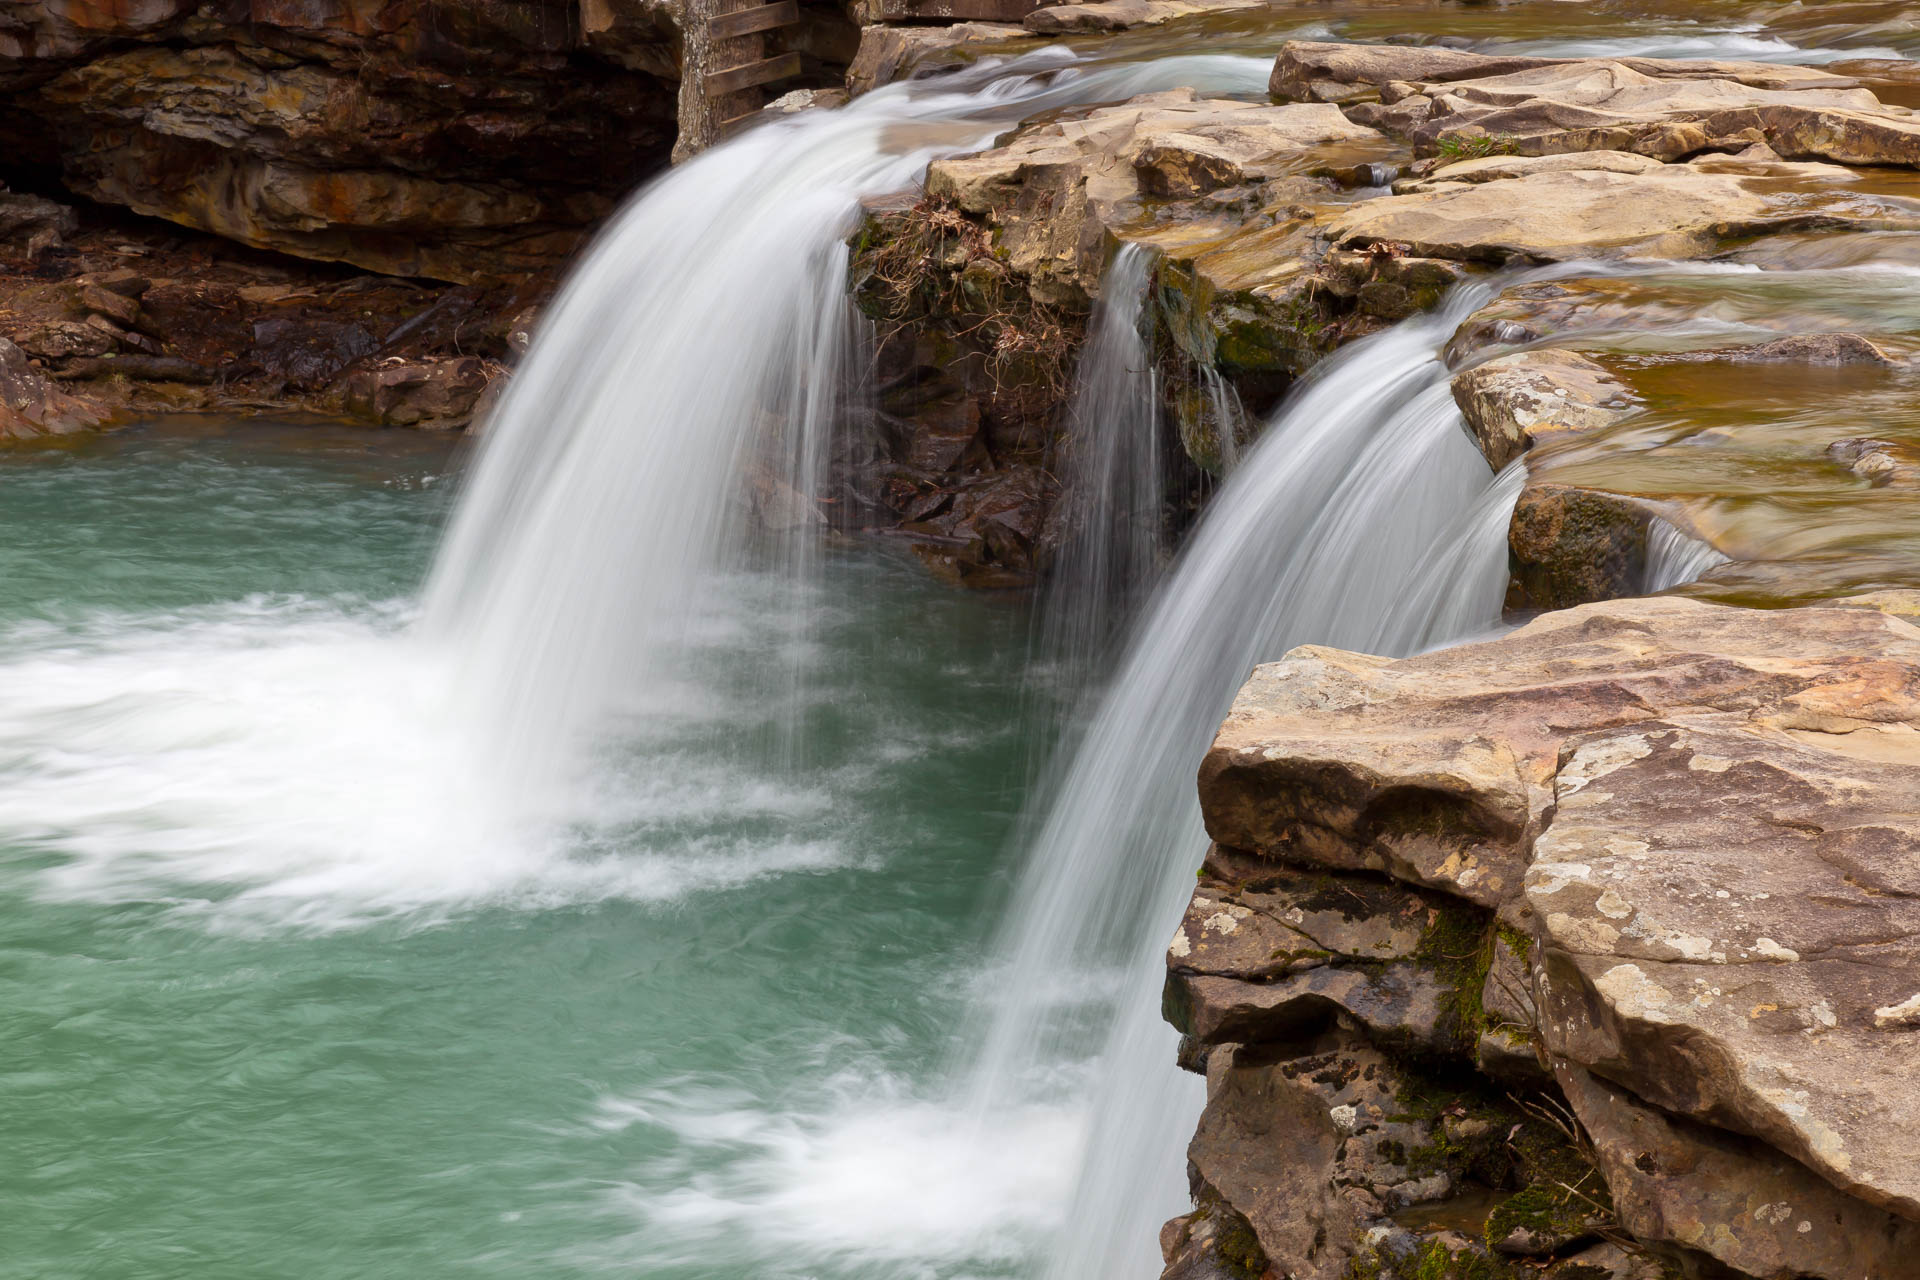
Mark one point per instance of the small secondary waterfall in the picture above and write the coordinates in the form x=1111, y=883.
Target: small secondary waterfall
x=1112, y=475
x=1364, y=518
x=704, y=337
x=1674, y=558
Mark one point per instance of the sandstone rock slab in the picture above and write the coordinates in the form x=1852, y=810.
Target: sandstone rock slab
x=1730, y=926
x=1550, y=217
x=1439, y=769
x=1514, y=402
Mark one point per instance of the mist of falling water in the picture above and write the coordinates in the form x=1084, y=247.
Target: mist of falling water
x=1110, y=506
x=700, y=343
x=1364, y=517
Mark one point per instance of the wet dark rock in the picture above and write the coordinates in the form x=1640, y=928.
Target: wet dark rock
x=1573, y=546
x=309, y=352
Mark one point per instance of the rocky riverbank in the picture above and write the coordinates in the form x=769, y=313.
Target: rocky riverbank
x=1580, y=952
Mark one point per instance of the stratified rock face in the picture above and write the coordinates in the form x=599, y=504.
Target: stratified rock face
x=1659, y=108
x=1676, y=850
x=1090, y=175
x=982, y=290
x=456, y=139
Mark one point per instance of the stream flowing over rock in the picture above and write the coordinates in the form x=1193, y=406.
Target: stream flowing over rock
x=1583, y=949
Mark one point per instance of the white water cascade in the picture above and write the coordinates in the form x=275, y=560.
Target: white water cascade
x=705, y=335
x=1364, y=518
x=1674, y=558
x=1112, y=475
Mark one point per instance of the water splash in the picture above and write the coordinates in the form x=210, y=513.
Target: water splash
x=1364, y=518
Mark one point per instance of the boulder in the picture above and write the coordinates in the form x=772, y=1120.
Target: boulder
x=435, y=394
x=1570, y=545
x=1698, y=822
x=1550, y=217
x=30, y=406
x=889, y=53
x=1439, y=769
x=30, y=224
x=1729, y=915
x=1827, y=349
x=1514, y=402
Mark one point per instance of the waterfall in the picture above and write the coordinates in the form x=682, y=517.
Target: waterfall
x=1674, y=558
x=1364, y=517
x=701, y=341
x=1110, y=506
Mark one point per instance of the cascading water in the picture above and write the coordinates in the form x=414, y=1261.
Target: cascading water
x=1111, y=502
x=1363, y=518
x=709, y=322
x=1674, y=558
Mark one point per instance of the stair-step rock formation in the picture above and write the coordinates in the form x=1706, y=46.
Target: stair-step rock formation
x=1586, y=951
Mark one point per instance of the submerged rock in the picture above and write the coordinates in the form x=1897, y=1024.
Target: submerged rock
x=1829, y=349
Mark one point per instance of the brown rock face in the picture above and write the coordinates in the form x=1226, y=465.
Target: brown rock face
x=31, y=406
x=455, y=140
x=1696, y=828
x=1659, y=108
x=1575, y=546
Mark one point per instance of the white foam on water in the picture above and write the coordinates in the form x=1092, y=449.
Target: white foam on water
x=281, y=763
x=870, y=1174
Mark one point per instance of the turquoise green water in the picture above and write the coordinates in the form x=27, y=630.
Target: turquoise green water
x=270, y=1006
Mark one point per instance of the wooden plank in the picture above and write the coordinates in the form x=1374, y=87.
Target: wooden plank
x=765, y=17
x=727, y=128
x=765, y=71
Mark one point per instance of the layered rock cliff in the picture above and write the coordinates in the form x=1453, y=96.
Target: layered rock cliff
x=1580, y=952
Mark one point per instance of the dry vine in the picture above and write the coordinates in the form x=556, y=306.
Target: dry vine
x=934, y=261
